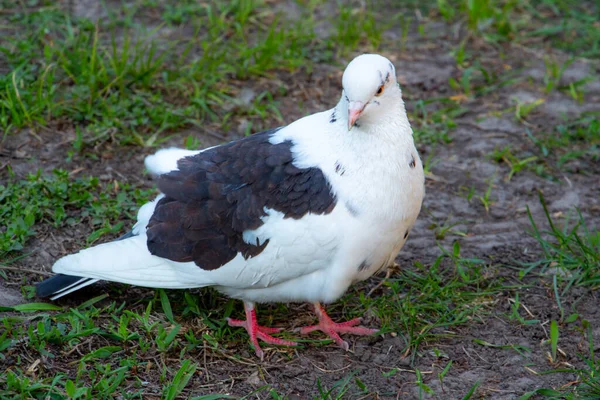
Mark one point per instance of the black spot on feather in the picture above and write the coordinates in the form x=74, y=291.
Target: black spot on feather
x=412, y=161
x=363, y=266
x=333, y=117
x=218, y=194
x=406, y=234
x=352, y=209
x=339, y=169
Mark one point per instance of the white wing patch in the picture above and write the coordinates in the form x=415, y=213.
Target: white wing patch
x=165, y=160
x=297, y=249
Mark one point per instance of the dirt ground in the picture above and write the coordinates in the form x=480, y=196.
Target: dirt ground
x=498, y=236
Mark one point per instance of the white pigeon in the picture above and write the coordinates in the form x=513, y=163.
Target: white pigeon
x=294, y=214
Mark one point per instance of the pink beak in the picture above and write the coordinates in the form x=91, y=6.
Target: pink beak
x=355, y=108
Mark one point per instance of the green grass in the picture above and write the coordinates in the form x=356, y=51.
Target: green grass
x=60, y=201
x=71, y=69
x=434, y=119
x=571, y=250
x=570, y=140
x=68, y=68
x=563, y=24
x=569, y=26
x=569, y=146
x=515, y=164
x=424, y=300
x=116, y=74
x=119, y=337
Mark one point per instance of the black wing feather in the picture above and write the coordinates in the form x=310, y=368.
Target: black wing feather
x=218, y=194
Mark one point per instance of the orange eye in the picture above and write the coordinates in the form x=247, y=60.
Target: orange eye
x=379, y=91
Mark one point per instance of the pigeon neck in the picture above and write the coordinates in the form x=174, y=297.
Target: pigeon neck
x=387, y=120
x=390, y=125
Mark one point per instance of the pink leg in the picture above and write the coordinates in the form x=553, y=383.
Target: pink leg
x=258, y=332
x=333, y=329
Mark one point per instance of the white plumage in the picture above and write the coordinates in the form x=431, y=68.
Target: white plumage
x=373, y=171
x=165, y=160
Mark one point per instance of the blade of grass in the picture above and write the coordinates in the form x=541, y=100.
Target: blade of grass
x=29, y=307
x=553, y=338
x=166, y=305
x=180, y=380
x=471, y=391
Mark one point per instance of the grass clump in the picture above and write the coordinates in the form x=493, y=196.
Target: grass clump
x=423, y=300
x=587, y=384
x=60, y=201
x=571, y=146
x=571, y=140
x=569, y=26
x=115, y=73
x=110, y=366
x=563, y=24
x=571, y=251
x=489, y=17
x=69, y=68
x=433, y=120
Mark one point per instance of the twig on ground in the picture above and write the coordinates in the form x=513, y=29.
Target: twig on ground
x=31, y=271
x=391, y=269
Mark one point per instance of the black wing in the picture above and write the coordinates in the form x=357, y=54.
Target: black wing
x=220, y=193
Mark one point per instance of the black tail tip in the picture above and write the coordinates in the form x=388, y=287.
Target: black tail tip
x=55, y=284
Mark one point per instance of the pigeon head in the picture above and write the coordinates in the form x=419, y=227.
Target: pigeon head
x=370, y=89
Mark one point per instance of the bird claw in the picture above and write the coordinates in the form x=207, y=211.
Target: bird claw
x=333, y=329
x=263, y=329
x=325, y=325
x=259, y=332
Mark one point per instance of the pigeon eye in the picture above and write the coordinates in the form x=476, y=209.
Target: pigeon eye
x=379, y=91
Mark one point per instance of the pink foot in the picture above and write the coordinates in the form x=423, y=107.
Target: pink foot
x=258, y=332
x=333, y=329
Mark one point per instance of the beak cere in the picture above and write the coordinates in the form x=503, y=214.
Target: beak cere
x=355, y=108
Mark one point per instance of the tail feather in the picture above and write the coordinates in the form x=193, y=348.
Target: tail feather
x=124, y=259
x=63, y=284
x=79, y=284
x=129, y=261
x=58, y=284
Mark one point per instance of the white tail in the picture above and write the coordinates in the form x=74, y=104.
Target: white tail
x=129, y=261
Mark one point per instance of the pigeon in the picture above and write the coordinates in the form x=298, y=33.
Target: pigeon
x=293, y=214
